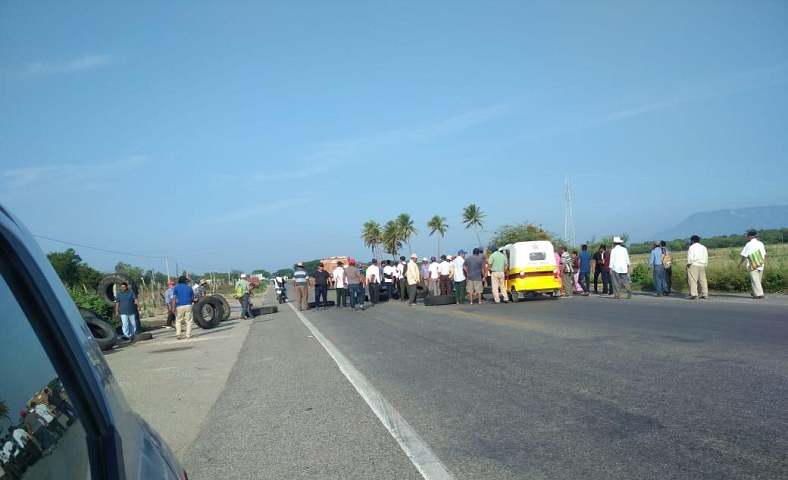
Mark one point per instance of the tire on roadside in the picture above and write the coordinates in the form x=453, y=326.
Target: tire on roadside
x=103, y=333
x=105, y=286
x=329, y=303
x=138, y=337
x=266, y=310
x=422, y=291
x=225, y=307
x=435, y=300
x=208, y=312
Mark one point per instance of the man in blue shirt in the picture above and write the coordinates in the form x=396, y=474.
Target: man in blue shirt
x=585, y=269
x=655, y=262
x=182, y=297
x=126, y=308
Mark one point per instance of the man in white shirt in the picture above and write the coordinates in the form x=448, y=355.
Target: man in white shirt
x=459, y=277
x=46, y=419
x=754, y=253
x=341, y=285
x=403, y=282
x=28, y=448
x=435, y=277
x=373, y=282
x=445, y=279
x=697, y=261
x=619, y=269
x=389, y=274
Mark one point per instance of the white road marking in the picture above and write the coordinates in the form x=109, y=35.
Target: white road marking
x=414, y=447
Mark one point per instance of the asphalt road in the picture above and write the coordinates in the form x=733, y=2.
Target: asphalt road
x=585, y=388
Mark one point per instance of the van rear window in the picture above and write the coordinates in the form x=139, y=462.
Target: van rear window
x=537, y=256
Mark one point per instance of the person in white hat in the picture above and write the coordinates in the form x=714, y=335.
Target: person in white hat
x=242, y=293
x=413, y=276
x=619, y=269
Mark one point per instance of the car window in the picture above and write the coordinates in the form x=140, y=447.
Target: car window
x=42, y=436
x=536, y=256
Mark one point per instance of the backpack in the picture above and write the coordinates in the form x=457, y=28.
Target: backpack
x=667, y=258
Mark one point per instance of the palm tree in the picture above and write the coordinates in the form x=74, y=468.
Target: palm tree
x=472, y=216
x=4, y=411
x=438, y=224
x=391, y=239
x=372, y=236
x=406, y=229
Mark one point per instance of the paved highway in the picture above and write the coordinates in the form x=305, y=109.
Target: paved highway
x=584, y=388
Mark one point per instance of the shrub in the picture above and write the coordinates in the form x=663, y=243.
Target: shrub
x=93, y=302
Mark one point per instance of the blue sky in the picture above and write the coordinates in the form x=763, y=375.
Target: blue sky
x=251, y=135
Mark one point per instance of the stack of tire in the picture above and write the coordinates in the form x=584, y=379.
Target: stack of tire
x=210, y=311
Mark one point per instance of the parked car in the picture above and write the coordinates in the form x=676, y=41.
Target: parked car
x=56, y=386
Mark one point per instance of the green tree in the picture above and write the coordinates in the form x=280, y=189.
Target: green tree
x=4, y=411
x=262, y=272
x=473, y=217
x=523, y=232
x=284, y=272
x=372, y=235
x=438, y=224
x=406, y=229
x=311, y=267
x=66, y=264
x=135, y=273
x=89, y=277
x=391, y=239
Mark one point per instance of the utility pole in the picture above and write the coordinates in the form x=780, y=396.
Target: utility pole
x=167, y=259
x=569, y=221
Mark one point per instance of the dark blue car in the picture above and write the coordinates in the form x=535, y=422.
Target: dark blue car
x=62, y=414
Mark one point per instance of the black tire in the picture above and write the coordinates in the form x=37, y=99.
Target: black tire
x=267, y=310
x=105, y=287
x=105, y=335
x=329, y=303
x=138, y=337
x=225, y=307
x=487, y=291
x=434, y=300
x=515, y=296
x=422, y=291
x=208, y=312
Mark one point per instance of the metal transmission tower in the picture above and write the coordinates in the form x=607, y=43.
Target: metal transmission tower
x=569, y=221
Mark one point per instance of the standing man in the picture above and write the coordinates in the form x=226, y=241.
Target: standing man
x=435, y=275
x=355, y=286
x=182, y=297
x=425, y=272
x=498, y=268
x=403, y=281
x=301, y=286
x=655, y=262
x=373, y=281
x=668, y=266
x=321, y=287
x=445, y=276
x=341, y=284
x=585, y=270
x=168, y=303
x=48, y=420
x=35, y=429
x=754, y=253
x=412, y=276
x=389, y=273
x=619, y=269
x=567, y=273
x=474, y=272
x=458, y=265
x=242, y=293
x=126, y=306
x=697, y=261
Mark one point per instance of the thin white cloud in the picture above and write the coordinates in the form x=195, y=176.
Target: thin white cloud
x=40, y=69
x=255, y=211
x=61, y=179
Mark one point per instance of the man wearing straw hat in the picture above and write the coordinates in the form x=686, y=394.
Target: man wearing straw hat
x=619, y=269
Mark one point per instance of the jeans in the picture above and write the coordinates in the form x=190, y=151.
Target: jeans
x=659, y=280
x=459, y=291
x=356, y=292
x=321, y=291
x=129, y=324
x=585, y=281
x=44, y=437
x=669, y=278
x=341, y=297
x=607, y=286
x=246, y=306
x=374, y=293
x=390, y=290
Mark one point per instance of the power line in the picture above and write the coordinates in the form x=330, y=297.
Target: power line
x=99, y=249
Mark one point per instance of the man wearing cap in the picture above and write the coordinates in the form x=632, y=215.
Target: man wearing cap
x=498, y=267
x=474, y=272
x=754, y=253
x=445, y=276
x=619, y=269
x=655, y=263
x=168, y=302
x=341, y=284
x=413, y=276
x=301, y=286
x=321, y=287
x=181, y=302
x=373, y=281
x=242, y=288
x=355, y=286
x=402, y=268
x=434, y=277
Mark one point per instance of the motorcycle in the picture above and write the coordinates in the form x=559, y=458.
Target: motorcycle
x=281, y=294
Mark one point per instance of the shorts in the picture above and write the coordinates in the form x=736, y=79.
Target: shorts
x=475, y=286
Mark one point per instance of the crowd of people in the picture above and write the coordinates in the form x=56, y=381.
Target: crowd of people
x=38, y=432
x=465, y=276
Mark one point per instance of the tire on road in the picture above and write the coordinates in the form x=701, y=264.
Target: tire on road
x=208, y=312
x=225, y=307
x=138, y=337
x=434, y=300
x=329, y=303
x=267, y=310
x=422, y=291
x=105, y=335
x=105, y=287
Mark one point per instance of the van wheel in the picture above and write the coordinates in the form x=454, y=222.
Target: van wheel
x=515, y=295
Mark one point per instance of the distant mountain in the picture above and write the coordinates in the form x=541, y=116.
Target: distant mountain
x=727, y=222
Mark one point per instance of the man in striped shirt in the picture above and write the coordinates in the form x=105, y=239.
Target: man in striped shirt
x=301, y=285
